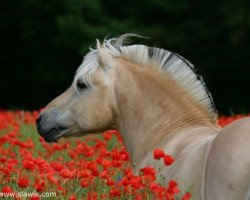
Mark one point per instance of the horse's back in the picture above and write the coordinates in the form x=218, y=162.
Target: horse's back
x=228, y=164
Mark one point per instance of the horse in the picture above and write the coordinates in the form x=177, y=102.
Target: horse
x=155, y=99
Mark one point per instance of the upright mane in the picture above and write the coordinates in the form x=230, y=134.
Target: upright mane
x=179, y=68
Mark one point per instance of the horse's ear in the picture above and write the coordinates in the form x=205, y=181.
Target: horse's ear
x=104, y=57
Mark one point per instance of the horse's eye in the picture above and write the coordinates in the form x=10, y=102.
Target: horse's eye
x=81, y=85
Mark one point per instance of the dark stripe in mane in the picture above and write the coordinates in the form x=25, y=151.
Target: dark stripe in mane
x=169, y=58
x=152, y=51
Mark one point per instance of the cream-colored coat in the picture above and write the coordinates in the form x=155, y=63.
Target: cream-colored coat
x=151, y=109
x=213, y=163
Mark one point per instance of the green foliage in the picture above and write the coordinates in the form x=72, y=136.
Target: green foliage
x=43, y=42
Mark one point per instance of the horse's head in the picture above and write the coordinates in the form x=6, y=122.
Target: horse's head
x=87, y=106
x=100, y=98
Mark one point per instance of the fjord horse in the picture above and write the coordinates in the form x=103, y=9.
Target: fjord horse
x=154, y=99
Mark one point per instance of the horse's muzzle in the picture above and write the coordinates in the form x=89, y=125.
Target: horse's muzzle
x=47, y=125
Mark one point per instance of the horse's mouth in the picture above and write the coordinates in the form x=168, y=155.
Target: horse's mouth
x=54, y=135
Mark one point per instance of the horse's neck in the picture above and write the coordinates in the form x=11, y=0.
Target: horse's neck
x=148, y=111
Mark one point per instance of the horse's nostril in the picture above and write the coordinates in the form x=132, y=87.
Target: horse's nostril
x=39, y=119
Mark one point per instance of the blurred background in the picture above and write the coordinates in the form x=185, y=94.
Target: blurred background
x=43, y=42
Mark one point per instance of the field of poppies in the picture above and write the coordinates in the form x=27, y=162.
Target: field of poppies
x=91, y=167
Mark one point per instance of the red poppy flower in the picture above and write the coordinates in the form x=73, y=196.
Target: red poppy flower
x=94, y=169
x=92, y=195
x=168, y=160
x=41, y=140
x=187, y=196
x=136, y=182
x=29, y=164
x=6, y=189
x=149, y=173
x=125, y=182
x=7, y=171
x=72, y=197
x=85, y=183
x=153, y=186
x=39, y=185
x=65, y=173
x=104, y=174
x=89, y=152
x=85, y=173
x=23, y=182
x=110, y=182
x=138, y=197
x=124, y=155
x=115, y=192
x=51, y=178
x=115, y=155
x=158, y=153
x=57, y=166
x=3, y=160
x=116, y=163
x=172, y=184
x=172, y=189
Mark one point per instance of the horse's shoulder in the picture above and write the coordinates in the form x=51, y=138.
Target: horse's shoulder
x=228, y=162
x=242, y=125
x=237, y=132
